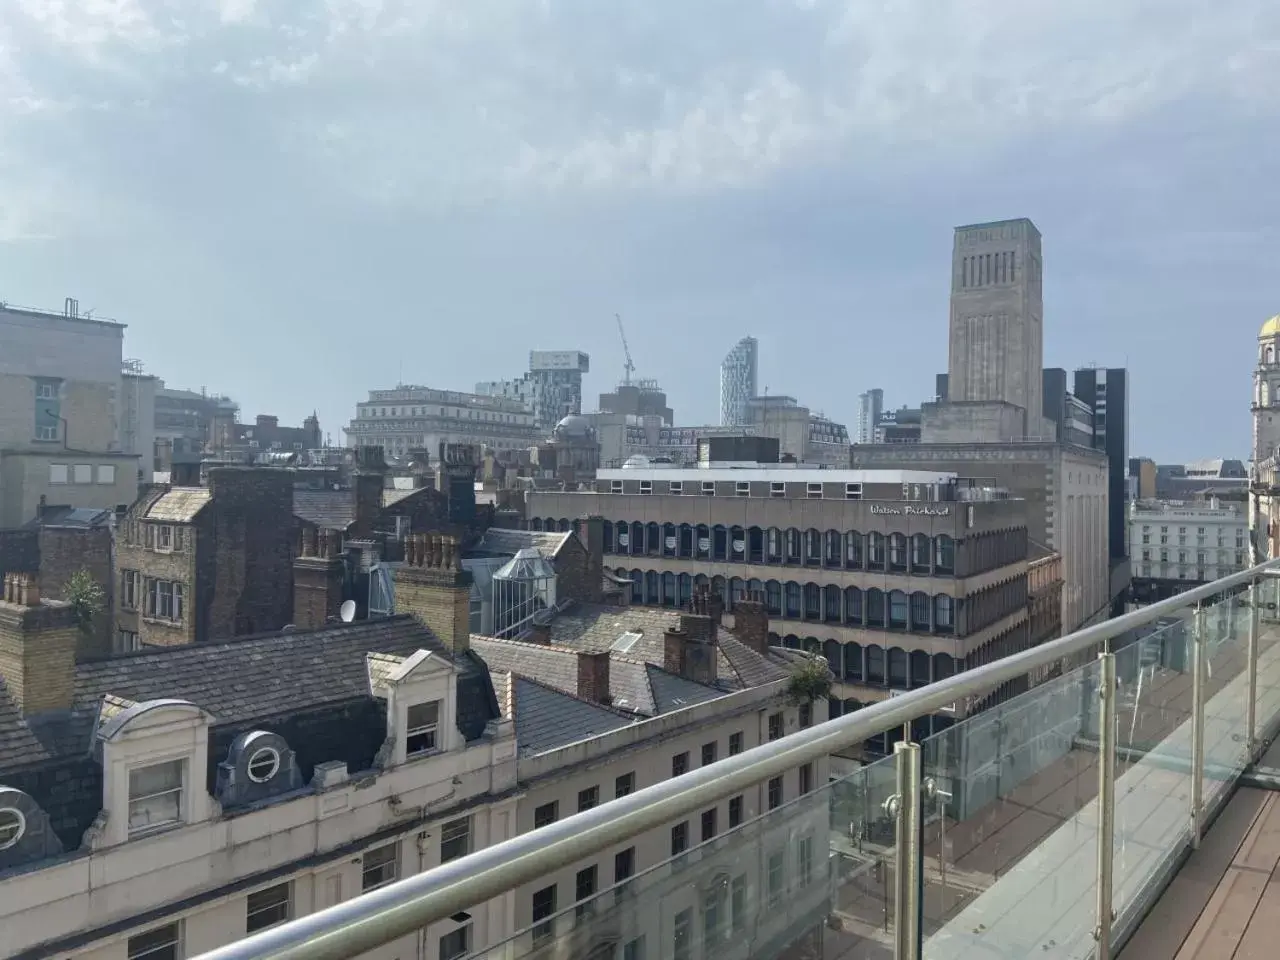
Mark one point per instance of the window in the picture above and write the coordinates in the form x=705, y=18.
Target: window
x=777, y=489
x=709, y=753
x=775, y=877
x=545, y=814
x=853, y=491
x=806, y=778
x=46, y=432
x=712, y=917
x=624, y=785
x=106, y=473
x=266, y=908
x=624, y=864
x=634, y=949
x=708, y=824
x=421, y=728
x=12, y=826
x=162, y=943
x=682, y=940
x=544, y=907
x=806, y=714
x=775, y=793
x=738, y=902
x=680, y=764
x=676, y=486
x=129, y=590
x=775, y=726
x=456, y=944
x=813, y=491
x=805, y=861
x=708, y=488
x=646, y=486
x=679, y=838
x=83, y=473
x=735, y=811
x=584, y=888
x=455, y=839
x=164, y=600
x=46, y=389
x=742, y=488
x=588, y=798
x=615, y=486
x=164, y=537
x=263, y=764
x=735, y=744
x=155, y=797
x=57, y=471
x=379, y=867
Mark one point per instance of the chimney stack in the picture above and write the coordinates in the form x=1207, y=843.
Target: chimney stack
x=593, y=677
x=37, y=646
x=368, y=480
x=432, y=586
x=590, y=530
x=318, y=576
x=751, y=623
x=674, y=640
x=694, y=658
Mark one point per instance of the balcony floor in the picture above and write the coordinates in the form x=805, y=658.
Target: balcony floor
x=1224, y=904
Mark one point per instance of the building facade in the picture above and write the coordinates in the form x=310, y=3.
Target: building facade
x=138, y=417
x=898, y=577
x=739, y=381
x=1179, y=544
x=409, y=418
x=60, y=414
x=995, y=349
x=870, y=406
x=552, y=388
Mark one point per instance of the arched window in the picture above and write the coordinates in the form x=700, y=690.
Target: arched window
x=875, y=607
x=737, y=591
x=897, y=609
x=651, y=586
x=607, y=542
x=875, y=663
x=637, y=538
x=920, y=554
x=686, y=540
x=897, y=668
x=755, y=545
x=920, y=610
x=831, y=553
x=812, y=547
x=943, y=614
x=637, y=586
x=832, y=603
x=831, y=650
x=703, y=545
x=564, y=525
x=669, y=597
x=897, y=552
x=737, y=544
x=944, y=554
x=773, y=597
x=853, y=550
x=875, y=551
x=652, y=539
x=919, y=669
x=812, y=601
x=669, y=541
x=773, y=545
x=684, y=583
x=622, y=536
x=719, y=542
x=852, y=605
x=535, y=523
x=792, y=545
x=852, y=661
x=792, y=599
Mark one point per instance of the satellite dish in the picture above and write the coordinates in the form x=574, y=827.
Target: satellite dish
x=347, y=612
x=288, y=628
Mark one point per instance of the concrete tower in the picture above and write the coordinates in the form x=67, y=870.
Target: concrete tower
x=996, y=345
x=739, y=372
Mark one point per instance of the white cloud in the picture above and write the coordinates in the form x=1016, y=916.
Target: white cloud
x=444, y=99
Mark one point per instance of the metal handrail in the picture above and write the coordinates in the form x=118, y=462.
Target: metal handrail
x=377, y=918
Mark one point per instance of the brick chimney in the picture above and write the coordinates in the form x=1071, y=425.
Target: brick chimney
x=593, y=677
x=367, y=482
x=317, y=578
x=674, y=641
x=37, y=646
x=698, y=621
x=590, y=531
x=539, y=633
x=433, y=587
x=751, y=623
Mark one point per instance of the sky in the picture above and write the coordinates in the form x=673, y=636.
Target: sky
x=295, y=202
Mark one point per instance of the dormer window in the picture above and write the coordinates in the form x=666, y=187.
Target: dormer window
x=12, y=826
x=421, y=734
x=155, y=797
x=264, y=764
x=164, y=537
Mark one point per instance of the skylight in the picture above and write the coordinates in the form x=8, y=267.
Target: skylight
x=625, y=642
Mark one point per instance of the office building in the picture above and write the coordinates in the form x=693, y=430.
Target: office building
x=1106, y=393
x=870, y=406
x=552, y=388
x=739, y=379
x=898, y=577
x=409, y=418
x=1176, y=545
x=61, y=384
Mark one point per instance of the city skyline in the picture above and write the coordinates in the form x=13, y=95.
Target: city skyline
x=696, y=186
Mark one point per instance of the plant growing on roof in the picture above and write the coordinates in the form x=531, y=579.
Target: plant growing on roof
x=810, y=681
x=86, y=597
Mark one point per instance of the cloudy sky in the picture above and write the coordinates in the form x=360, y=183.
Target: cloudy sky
x=293, y=202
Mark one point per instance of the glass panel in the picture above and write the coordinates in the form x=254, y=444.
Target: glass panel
x=1226, y=678
x=779, y=882
x=1010, y=833
x=1268, y=695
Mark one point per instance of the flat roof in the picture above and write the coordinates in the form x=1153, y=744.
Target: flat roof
x=51, y=315
x=777, y=473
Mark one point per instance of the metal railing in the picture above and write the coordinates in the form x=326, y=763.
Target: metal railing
x=385, y=915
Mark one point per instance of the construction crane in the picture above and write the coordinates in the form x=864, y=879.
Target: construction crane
x=627, y=367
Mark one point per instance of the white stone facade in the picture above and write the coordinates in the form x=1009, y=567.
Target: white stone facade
x=1186, y=540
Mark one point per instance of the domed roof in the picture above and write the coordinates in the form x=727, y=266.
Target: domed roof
x=572, y=426
x=1271, y=328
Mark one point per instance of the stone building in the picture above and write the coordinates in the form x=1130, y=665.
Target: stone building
x=229, y=786
x=898, y=578
x=60, y=414
x=199, y=563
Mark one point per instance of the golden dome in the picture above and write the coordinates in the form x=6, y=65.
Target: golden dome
x=1271, y=328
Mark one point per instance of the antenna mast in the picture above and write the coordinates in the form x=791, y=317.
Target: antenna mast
x=627, y=367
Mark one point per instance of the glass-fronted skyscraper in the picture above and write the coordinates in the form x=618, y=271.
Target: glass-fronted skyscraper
x=738, y=379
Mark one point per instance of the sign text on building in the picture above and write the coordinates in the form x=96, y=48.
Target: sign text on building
x=911, y=511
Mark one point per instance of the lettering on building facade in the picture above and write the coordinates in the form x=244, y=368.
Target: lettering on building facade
x=910, y=511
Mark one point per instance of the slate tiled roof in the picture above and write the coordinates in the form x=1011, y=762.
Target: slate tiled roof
x=179, y=504
x=636, y=687
x=546, y=718
x=588, y=626
x=240, y=681
x=327, y=509
x=511, y=542
x=394, y=496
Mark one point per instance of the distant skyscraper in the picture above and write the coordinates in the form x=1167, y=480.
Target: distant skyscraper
x=996, y=348
x=738, y=379
x=870, y=409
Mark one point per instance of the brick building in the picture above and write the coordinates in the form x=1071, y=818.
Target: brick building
x=198, y=563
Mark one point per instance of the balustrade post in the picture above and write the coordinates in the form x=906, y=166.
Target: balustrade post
x=1198, y=656
x=907, y=870
x=1106, y=801
x=1251, y=706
